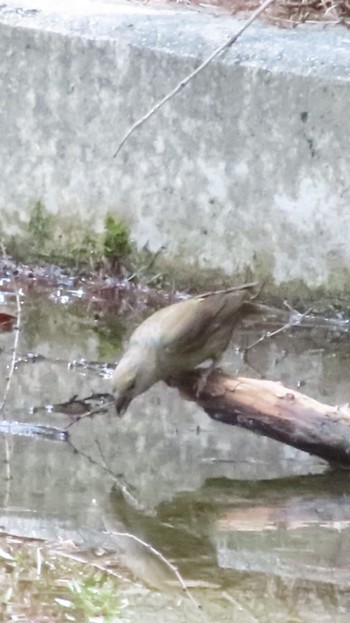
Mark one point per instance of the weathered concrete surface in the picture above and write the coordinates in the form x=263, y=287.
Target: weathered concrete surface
x=247, y=168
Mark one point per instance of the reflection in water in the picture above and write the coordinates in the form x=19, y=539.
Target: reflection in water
x=300, y=525
x=261, y=529
x=290, y=534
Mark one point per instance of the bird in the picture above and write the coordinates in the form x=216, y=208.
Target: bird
x=178, y=338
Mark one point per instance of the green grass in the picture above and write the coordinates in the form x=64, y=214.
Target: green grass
x=39, y=583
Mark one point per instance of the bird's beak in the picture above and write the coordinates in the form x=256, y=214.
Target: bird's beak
x=121, y=404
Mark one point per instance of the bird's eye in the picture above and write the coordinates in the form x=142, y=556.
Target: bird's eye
x=131, y=386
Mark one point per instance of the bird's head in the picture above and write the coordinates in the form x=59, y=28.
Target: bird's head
x=134, y=374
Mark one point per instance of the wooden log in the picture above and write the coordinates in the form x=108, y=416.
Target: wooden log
x=269, y=408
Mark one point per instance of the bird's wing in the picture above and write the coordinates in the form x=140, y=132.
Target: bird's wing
x=190, y=324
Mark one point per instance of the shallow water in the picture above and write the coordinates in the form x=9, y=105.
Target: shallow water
x=258, y=529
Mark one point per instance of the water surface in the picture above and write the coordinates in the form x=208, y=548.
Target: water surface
x=258, y=529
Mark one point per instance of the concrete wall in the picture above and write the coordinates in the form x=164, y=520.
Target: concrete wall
x=247, y=168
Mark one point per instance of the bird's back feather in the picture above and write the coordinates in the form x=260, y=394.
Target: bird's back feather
x=186, y=333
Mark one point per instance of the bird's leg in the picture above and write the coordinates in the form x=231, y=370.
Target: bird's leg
x=202, y=381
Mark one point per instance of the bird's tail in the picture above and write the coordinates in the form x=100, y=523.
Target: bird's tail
x=245, y=286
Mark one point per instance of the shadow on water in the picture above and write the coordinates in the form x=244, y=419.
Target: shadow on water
x=259, y=530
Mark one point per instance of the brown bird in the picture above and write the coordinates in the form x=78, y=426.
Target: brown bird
x=178, y=338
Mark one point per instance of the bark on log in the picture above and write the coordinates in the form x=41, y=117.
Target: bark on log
x=269, y=408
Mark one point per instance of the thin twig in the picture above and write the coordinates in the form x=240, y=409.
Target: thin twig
x=8, y=384
x=100, y=409
x=92, y=461
x=159, y=555
x=291, y=323
x=14, y=350
x=148, y=266
x=17, y=329
x=81, y=558
x=239, y=605
x=39, y=561
x=222, y=48
x=118, y=480
x=100, y=451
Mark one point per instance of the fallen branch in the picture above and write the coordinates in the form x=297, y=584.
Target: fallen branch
x=222, y=48
x=269, y=408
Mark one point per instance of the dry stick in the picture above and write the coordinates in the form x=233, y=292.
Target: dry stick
x=15, y=344
x=118, y=480
x=7, y=389
x=150, y=264
x=122, y=485
x=159, y=555
x=193, y=74
x=132, y=536
x=92, y=461
x=82, y=559
x=14, y=350
x=291, y=323
x=100, y=409
x=238, y=605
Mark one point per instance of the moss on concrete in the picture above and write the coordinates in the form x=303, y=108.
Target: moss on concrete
x=63, y=241
x=47, y=237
